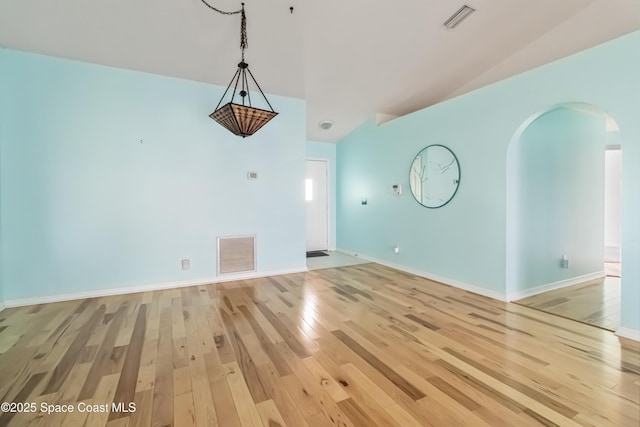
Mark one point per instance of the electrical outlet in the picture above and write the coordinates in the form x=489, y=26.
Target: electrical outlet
x=564, y=262
x=186, y=263
x=396, y=249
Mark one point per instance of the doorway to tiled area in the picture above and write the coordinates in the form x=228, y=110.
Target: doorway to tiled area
x=335, y=259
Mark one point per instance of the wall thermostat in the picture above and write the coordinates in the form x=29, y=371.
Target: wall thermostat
x=397, y=189
x=252, y=175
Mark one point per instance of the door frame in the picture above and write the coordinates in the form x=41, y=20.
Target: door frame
x=616, y=147
x=329, y=205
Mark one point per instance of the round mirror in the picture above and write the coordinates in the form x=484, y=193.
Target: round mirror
x=434, y=176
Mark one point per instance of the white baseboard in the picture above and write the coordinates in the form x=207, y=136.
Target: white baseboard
x=431, y=276
x=517, y=295
x=632, y=334
x=2, y=306
x=149, y=287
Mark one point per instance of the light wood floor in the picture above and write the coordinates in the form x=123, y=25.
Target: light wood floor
x=362, y=345
x=596, y=302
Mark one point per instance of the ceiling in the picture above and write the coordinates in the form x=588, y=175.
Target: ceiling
x=350, y=60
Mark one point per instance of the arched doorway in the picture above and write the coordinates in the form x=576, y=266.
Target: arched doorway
x=556, y=214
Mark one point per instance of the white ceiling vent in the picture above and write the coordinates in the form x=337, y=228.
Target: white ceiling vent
x=455, y=19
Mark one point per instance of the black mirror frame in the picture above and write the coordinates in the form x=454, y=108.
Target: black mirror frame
x=459, y=176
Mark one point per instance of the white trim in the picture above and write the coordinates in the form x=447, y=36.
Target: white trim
x=632, y=334
x=149, y=287
x=328, y=195
x=514, y=296
x=612, y=253
x=2, y=306
x=435, y=277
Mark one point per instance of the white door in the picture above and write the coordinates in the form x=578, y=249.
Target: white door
x=317, y=208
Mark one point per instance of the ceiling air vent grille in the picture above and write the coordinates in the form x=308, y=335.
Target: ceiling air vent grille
x=455, y=19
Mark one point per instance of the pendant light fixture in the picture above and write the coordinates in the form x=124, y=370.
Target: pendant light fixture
x=240, y=117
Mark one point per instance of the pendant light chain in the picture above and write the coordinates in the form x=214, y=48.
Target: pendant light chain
x=243, y=24
x=241, y=119
x=235, y=12
x=243, y=31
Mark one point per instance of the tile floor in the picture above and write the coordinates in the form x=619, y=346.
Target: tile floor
x=335, y=259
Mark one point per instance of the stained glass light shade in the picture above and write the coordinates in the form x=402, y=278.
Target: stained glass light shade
x=242, y=120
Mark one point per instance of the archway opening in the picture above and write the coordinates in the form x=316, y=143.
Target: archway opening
x=556, y=214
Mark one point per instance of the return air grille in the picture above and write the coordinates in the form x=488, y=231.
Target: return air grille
x=455, y=19
x=236, y=254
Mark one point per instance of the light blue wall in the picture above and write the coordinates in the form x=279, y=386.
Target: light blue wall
x=466, y=240
x=2, y=96
x=454, y=242
x=560, y=197
x=327, y=151
x=1, y=239
x=110, y=177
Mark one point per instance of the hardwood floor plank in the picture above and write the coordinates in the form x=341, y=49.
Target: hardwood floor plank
x=360, y=389
x=162, y=414
x=127, y=383
x=183, y=411
x=300, y=396
x=355, y=413
x=422, y=322
x=247, y=411
x=289, y=410
x=402, y=417
x=364, y=345
x=103, y=396
x=323, y=378
x=284, y=332
x=453, y=393
x=64, y=366
x=144, y=404
x=103, y=354
x=270, y=415
x=122, y=422
x=355, y=376
x=203, y=403
x=385, y=370
x=76, y=418
x=227, y=415
x=25, y=392
x=535, y=394
x=596, y=302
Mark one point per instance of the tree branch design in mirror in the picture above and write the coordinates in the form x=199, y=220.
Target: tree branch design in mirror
x=434, y=176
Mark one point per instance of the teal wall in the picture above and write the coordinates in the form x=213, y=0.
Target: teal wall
x=559, y=197
x=327, y=151
x=109, y=177
x=466, y=241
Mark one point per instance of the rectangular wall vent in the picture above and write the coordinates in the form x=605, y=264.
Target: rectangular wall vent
x=236, y=254
x=455, y=19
